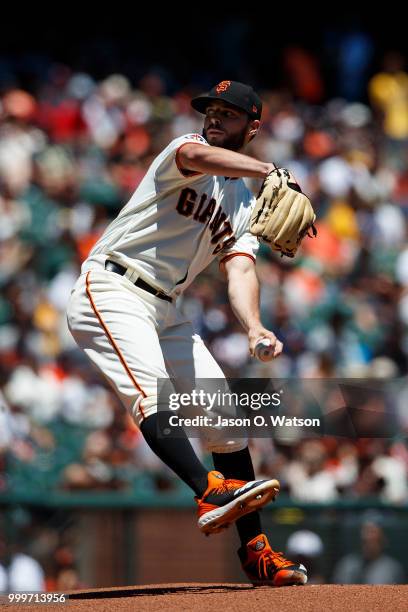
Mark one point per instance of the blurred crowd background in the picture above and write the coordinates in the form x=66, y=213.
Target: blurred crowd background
x=75, y=142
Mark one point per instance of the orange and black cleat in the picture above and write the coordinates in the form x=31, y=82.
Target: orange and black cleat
x=265, y=567
x=226, y=500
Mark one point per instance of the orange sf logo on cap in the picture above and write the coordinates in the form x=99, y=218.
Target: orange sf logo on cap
x=223, y=86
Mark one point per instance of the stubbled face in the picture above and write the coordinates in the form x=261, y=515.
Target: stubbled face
x=228, y=127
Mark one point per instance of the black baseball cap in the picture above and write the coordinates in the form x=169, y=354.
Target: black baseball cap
x=238, y=94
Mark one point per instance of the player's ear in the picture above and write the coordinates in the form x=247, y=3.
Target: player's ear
x=253, y=129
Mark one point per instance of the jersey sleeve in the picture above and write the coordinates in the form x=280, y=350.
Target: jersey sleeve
x=168, y=171
x=246, y=245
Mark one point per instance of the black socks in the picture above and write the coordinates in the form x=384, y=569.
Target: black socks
x=176, y=452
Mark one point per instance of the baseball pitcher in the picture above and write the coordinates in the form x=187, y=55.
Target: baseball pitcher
x=193, y=207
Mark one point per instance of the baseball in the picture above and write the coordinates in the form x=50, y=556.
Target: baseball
x=264, y=350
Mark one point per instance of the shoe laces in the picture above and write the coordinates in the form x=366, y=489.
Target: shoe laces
x=277, y=558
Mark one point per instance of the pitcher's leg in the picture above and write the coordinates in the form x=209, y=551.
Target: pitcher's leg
x=176, y=453
x=115, y=328
x=188, y=359
x=192, y=367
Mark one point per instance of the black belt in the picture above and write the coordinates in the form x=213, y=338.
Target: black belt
x=114, y=267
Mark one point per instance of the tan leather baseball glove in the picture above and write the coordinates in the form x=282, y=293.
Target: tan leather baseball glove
x=283, y=215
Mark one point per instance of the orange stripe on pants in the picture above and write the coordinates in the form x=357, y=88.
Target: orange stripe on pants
x=112, y=341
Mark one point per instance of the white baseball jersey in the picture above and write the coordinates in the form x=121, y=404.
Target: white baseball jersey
x=174, y=225
x=177, y=222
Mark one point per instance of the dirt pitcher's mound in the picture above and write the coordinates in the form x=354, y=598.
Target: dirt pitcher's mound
x=236, y=597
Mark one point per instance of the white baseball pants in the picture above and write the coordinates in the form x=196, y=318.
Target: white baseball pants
x=135, y=338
